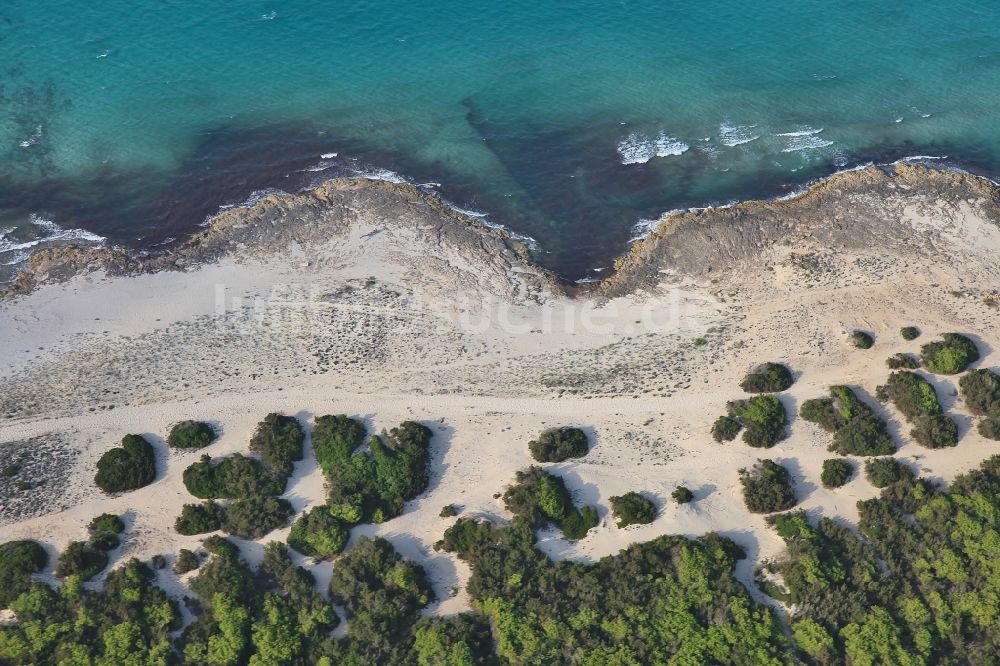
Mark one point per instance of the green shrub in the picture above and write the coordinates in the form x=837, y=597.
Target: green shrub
x=633, y=509
x=862, y=340
x=81, y=559
x=935, y=432
x=767, y=378
x=278, y=440
x=158, y=562
x=882, y=472
x=9, y=471
x=767, y=487
x=233, y=477
x=18, y=560
x=541, y=498
x=682, y=495
x=857, y=429
x=105, y=541
x=949, y=356
x=186, y=561
x=902, y=361
x=909, y=332
x=253, y=517
x=107, y=522
x=200, y=518
x=763, y=418
x=558, y=444
x=911, y=394
x=191, y=435
x=981, y=391
x=318, y=534
x=725, y=429
x=990, y=426
x=221, y=546
x=130, y=466
x=448, y=511
x=334, y=439
x=836, y=472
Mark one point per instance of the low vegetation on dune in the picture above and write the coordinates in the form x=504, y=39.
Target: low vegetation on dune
x=682, y=495
x=127, y=467
x=882, y=472
x=918, y=401
x=836, y=472
x=762, y=419
x=950, y=355
x=981, y=391
x=909, y=333
x=190, y=435
x=857, y=429
x=768, y=378
x=862, y=340
x=82, y=559
x=559, y=444
x=278, y=440
x=767, y=487
x=902, y=361
x=541, y=498
x=632, y=508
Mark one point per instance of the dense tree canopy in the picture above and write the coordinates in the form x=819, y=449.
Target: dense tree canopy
x=18, y=560
x=319, y=534
x=981, y=391
x=235, y=476
x=918, y=401
x=836, y=472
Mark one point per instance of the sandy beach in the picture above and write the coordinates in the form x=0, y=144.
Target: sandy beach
x=373, y=300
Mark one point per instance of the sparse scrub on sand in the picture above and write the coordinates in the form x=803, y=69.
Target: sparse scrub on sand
x=882, y=472
x=81, y=559
x=763, y=418
x=682, y=495
x=862, y=340
x=541, y=498
x=767, y=487
x=768, y=378
x=981, y=391
x=857, y=429
x=235, y=476
x=909, y=333
x=190, y=435
x=318, y=534
x=950, y=355
x=632, y=509
x=902, y=361
x=371, y=486
x=559, y=444
x=278, y=440
x=448, y=511
x=836, y=472
x=127, y=467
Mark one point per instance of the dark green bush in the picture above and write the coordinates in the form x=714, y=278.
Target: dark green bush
x=318, y=534
x=725, y=429
x=18, y=560
x=857, y=429
x=990, y=426
x=911, y=394
x=558, y=444
x=158, y=562
x=763, y=418
x=9, y=471
x=233, y=477
x=540, y=498
x=334, y=439
x=935, y=432
x=882, y=472
x=278, y=440
x=682, y=495
x=633, y=509
x=902, y=361
x=767, y=487
x=981, y=391
x=909, y=333
x=191, y=435
x=107, y=522
x=448, y=511
x=200, y=518
x=105, y=541
x=767, y=378
x=836, y=472
x=949, y=356
x=186, y=561
x=220, y=545
x=253, y=517
x=862, y=340
x=81, y=559
x=130, y=466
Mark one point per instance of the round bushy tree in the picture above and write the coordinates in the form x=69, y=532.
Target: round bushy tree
x=902, y=361
x=882, y=472
x=935, y=431
x=633, y=509
x=319, y=534
x=836, y=472
x=862, y=340
x=981, y=391
x=909, y=333
x=107, y=522
x=18, y=560
x=767, y=487
x=130, y=466
x=558, y=444
x=725, y=429
x=950, y=355
x=191, y=435
x=990, y=426
x=767, y=378
x=682, y=495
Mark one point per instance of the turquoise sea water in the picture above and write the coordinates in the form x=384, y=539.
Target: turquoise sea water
x=132, y=120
